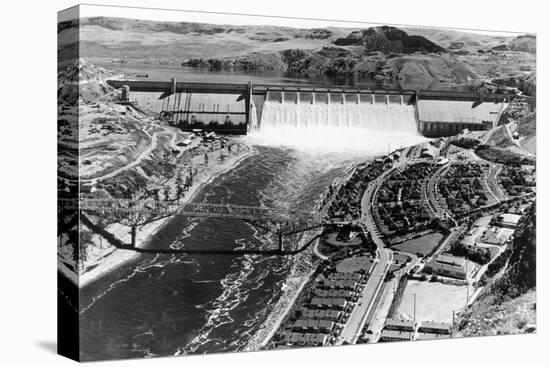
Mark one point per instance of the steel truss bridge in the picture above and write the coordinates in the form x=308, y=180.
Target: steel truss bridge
x=135, y=213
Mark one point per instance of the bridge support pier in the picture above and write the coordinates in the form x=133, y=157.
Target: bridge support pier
x=134, y=235
x=125, y=95
x=248, y=107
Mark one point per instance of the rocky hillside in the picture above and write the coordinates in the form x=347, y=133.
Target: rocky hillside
x=410, y=57
x=507, y=305
x=526, y=83
x=418, y=69
x=454, y=40
x=515, y=316
x=388, y=39
x=524, y=43
x=80, y=80
x=521, y=275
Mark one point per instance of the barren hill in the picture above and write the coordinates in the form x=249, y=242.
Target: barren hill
x=410, y=57
x=510, y=292
x=388, y=39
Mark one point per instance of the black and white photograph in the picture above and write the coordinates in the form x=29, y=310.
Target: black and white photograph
x=274, y=183
x=242, y=183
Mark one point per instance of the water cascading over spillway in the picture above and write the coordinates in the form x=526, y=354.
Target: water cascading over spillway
x=336, y=122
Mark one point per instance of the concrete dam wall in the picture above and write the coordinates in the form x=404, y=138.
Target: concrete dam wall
x=256, y=107
x=442, y=118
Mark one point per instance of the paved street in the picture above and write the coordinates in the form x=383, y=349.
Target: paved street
x=435, y=202
x=357, y=319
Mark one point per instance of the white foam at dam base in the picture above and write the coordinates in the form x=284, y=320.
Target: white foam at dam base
x=336, y=127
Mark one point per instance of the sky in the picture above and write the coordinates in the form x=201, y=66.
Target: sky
x=175, y=15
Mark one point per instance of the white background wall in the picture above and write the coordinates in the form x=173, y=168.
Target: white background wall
x=28, y=162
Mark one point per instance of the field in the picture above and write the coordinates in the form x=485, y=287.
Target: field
x=424, y=245
x=434, y=301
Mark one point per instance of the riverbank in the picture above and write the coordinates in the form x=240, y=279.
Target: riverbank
x=292, y=289
x=110, y=258
x=294, y=285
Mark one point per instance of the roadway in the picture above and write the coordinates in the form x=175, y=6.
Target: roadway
x=260, y=89
x=354, y=326
x=431, y=196
x=377, y=317
x=145, y=154
x=492, y=177
x=516, y=141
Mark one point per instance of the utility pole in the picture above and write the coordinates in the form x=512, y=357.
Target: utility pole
x=453, y=324
x=467, y=286
x=414, y=311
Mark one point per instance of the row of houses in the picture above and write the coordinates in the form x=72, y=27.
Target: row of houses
x=320, y=319
x=304, y=339
x=315, y=326
x=332, y=315
x=351, y=285
x=331, y=303
x=346, y=276
x=335, y=293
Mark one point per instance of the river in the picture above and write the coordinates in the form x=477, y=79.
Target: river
x=168, y=304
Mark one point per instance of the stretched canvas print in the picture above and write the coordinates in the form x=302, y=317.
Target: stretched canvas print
x=238, y=183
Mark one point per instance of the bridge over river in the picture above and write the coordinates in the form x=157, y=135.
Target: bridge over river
x=135, y=213
x=437, y=112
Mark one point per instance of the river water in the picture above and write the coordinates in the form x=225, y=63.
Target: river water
x=168, y=304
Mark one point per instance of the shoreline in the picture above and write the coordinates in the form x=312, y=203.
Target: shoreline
x=288, y=299
x=274, y=320
x=117, y=257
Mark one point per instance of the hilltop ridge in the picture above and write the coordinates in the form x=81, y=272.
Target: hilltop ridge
x=388, y=39
x=411, y=57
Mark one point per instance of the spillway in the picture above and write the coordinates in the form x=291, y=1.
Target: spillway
x=336, y=122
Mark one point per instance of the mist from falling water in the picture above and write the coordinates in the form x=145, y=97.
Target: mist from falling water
x=366, y=128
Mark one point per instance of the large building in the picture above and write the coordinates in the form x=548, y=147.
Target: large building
x=428, y=336
x=509, y=220
x=445, y=117
x=432, y=327
x=449, y=266
x=395, y=336
x=400, y=325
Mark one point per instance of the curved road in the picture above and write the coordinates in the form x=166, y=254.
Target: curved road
x=431, y=194
x=130, y=165
x=358, y=317
x=516, y=141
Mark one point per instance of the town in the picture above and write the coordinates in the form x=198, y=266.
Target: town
x=445, y=216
